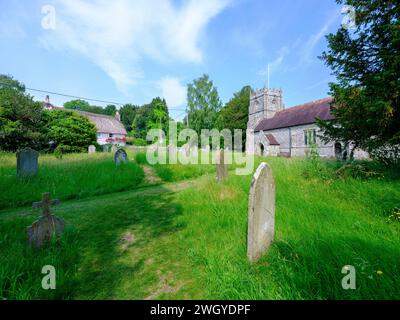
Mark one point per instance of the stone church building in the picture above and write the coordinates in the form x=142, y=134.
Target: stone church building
x=290, y=132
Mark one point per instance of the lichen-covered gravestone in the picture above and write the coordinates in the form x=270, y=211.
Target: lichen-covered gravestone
x=27, y=163
x=47, y=226
x=120, y=156
x=222, y=167
x=261, y=213
x=92, y=149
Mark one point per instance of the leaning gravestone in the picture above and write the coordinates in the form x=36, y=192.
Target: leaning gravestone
x=261, y=213
x=48, y=225
x=222, y=167
x=120, y=156
x=27, y=163
x=92, y=149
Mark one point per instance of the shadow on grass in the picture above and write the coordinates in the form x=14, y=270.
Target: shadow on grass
x=87, y=260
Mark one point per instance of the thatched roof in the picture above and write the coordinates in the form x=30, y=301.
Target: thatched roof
x=105, y=124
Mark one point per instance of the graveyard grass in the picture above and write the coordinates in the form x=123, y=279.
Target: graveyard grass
x=186, y=237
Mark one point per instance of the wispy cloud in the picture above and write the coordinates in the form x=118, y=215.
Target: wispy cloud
x=173, y=91
x=307, y=50
x=117, y=35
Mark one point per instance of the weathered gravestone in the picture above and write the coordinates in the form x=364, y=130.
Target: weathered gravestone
x=120, y=156
x=27, y=162
x=92, y=149
x=261, y=213
x=222, y=167
x=48, y=225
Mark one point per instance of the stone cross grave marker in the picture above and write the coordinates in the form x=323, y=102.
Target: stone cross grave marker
x=27, y=163
x=48, y=225
x=222, y=167
x=261, y=213
x=120, y=156
x=92, y=149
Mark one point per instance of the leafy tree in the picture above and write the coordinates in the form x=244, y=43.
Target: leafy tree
x=7, y=81
x=139, y=124
x=83, y=105
x=366, y=62
x=204, y=105
x=159, y=115
x=110, y=110
x=235, y=113
x=128, y=113
x=68, y=131
x=20, y=116
x=150, y=116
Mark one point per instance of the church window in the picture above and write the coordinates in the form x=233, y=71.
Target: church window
x=310, y=137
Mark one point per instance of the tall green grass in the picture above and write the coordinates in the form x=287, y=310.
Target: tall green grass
x=74, y=176
x=191, y=244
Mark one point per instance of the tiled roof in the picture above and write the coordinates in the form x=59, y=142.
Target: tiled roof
x=298, y=115
x=271, y=139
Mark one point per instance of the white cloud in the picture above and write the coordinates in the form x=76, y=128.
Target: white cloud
x=309, y=46
x=117, y=35
x=173, y=91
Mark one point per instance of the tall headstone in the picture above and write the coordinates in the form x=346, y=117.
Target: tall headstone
x=120, y=156
x=92, y=149
x=48, y=225
x=222, y=167
x=27, y=163
x=261, y=213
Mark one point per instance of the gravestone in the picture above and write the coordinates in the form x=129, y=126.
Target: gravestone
x=222, y=167
x=47, y=226
x=120, y=156
x=27, y=162
x=92, y=149
x=261, y=213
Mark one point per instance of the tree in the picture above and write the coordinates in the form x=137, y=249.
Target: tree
x=83, y=105
x=204, y=105
x=235, y=113
x=128, y=113
x=110, y=110
x=366, y=62
x=20, y=116
x=139, y=124
x=68, y=131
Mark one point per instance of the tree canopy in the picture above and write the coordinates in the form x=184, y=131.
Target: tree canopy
x=235, y=114
x=366, y=63
x=204, y=105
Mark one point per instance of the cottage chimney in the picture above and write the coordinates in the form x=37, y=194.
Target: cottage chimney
x=117, y=116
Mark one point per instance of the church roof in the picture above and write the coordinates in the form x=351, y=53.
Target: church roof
x=271, y=139
x=298, y=115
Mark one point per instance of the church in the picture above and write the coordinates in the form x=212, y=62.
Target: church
x=291, y=132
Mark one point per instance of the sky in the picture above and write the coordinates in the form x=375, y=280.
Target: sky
x=130, y=51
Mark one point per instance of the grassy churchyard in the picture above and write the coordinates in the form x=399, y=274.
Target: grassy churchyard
x=137, y=231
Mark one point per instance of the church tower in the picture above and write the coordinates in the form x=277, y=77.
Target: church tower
x=264, y=103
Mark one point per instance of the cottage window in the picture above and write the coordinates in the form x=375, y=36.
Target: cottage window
x=310, y=137
x=110, y=135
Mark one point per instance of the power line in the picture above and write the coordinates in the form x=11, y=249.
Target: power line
x=81, y=98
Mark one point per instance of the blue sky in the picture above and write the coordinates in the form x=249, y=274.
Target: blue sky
x=134, y=50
